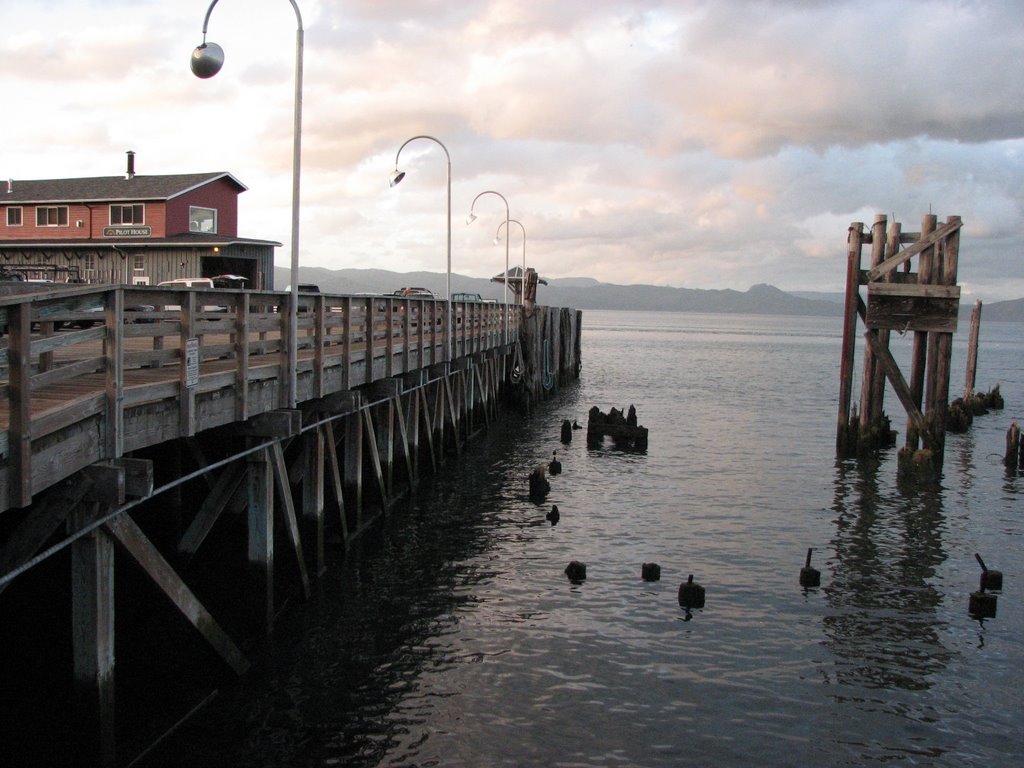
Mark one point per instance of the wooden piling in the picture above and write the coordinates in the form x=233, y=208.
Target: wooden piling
x=870, y=394
x=1012, y=455
x=919, y=355
x=92, y=631
x=972, y=351
x=854, y=241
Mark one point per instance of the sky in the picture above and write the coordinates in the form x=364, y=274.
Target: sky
x=716, y=144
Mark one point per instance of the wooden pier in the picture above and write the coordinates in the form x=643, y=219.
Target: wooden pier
x=120, y=402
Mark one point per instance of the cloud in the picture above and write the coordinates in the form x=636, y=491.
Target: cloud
x=700, y=144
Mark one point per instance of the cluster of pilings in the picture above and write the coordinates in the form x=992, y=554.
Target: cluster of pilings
x=963, y=410
x=550, y=341
x=621, y=428
x=925, y=303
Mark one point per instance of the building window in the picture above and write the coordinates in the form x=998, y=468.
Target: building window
x=138, y=263
x=14, y=217
x=53, y=216
x=127, y=214
x=89, y=267
x=202, y=220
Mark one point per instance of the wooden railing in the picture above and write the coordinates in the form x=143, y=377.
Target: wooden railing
x=91, y=373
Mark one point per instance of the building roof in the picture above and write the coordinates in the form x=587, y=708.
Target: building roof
x=107, y=188
x=188, y=239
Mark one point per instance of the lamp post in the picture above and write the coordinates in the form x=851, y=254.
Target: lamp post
x=497, y=239
x=397, y=177
x=470, y=219
x=207, y=59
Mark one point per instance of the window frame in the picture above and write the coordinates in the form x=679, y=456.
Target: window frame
x=21, y=216
x=134, y=208
x=62, y=215
x=192, y=209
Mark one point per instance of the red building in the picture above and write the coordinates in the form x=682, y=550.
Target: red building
x=131, y=229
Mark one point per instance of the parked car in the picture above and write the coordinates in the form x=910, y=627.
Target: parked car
x=230, y=281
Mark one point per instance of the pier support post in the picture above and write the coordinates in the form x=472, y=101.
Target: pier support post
x=870, y=395
x=92, y=628
x=972, y=351
x=313, y=495
x=353, y=464
x=855, y=238
x=260, y=484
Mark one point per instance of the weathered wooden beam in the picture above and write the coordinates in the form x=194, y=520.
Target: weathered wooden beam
x=972, y=350
x=371, y=443
x=353, y=463
x=131, y=538
x=46, y=516
x=195, y=450
x=241, y=339
x=138, y=475
x=877, y=382
x=20, y=403
x=424, y=410
x=319, y=331
x=336, y=485
x=403, y=442
x=210, y=510
x=912, y=291
x=853, y=257
x=919, y=361
x=187, y=391
x=107, y=484
x=284, y=491
x=113, y=351
x=279, y=424
x=449, y=400
x=928, y=239
x=924, y=308
x=314, y=456
x=385, y=389
x=899, y=384
x=92, y=636
x=260, y=549
x=339, y=403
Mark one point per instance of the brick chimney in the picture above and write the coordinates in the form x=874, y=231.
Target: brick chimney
x=130, y=173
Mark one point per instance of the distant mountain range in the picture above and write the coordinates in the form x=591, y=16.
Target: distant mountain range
x=586, y=293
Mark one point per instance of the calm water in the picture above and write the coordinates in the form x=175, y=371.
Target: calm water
x=451, y=636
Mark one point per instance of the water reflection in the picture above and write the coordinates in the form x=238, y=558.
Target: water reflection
x=341, y=680
x=884, y=629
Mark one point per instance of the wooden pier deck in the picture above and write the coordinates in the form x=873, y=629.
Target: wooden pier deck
x=133, y=420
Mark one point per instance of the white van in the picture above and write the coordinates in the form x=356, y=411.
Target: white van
x=190, y=282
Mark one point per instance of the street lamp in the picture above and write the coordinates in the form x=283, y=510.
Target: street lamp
x=397, y=177
x=497, y=239
x=207, y=59
x=470, y=219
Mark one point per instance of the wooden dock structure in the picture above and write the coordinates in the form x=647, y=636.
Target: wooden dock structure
x=120, y=402
x=924, y=302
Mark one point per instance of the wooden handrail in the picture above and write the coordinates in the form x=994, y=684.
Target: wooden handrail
x=77, y=354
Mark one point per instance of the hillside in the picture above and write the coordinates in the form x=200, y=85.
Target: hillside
x=581, y=293
x=587, y=293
